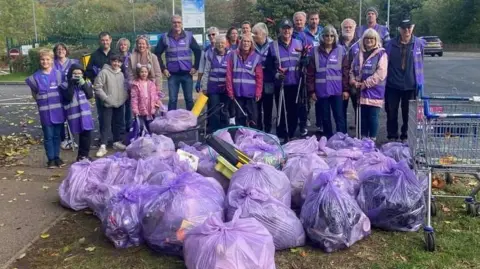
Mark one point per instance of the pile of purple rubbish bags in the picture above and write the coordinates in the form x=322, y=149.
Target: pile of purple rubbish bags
x=327, y=194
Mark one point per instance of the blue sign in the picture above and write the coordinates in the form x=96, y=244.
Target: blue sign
x=193, y=6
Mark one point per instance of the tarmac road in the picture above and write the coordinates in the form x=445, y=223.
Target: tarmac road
x=27, y=204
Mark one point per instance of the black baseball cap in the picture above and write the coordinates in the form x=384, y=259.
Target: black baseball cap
x=406, y=23
x=286, y=23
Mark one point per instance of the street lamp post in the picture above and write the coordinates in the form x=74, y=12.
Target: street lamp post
x=173, y=7
x=388, y=14
x=360, y=14
x=35, y=21
x=133, y=15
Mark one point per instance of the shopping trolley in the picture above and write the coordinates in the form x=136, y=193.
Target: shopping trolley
x=444, y=138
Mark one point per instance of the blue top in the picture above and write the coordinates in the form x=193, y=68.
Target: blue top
x=313, y=39
x=398, y=78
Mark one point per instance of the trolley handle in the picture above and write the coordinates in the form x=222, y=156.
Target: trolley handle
x=445, y=97
x=432, y=115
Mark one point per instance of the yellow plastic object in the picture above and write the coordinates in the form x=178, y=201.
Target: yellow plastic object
x=225, y=168
x=85, y=60
x=199, y=104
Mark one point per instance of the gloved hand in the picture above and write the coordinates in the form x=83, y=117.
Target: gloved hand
x=81, y=81
x=198, y=86
x=280, y=76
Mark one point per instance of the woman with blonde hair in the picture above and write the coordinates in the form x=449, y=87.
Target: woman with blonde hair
x=142, y=56
x=368, y=74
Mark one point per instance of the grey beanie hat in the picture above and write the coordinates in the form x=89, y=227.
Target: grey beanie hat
x=374, y=10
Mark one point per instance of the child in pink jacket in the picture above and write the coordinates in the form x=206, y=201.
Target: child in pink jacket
x=145, y=99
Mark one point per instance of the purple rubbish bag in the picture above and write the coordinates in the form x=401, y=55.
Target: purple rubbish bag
x=154, y=145
x=174, y=121
x=122, y=171
x=323, y=150
x=206, y=168
x=261, y=149
x=338, y=141
x=81, y=175
x=98, y=195
x=239, y=244
x=282, y=223
x=393, y=200
x=298, y=169
x=263, y=177
x=372, y=161
x=121, y=217
x=344, y=177
x=301, y=146
x=398, y=151
x=185, y=202
x=340, y=156
x=331, y=218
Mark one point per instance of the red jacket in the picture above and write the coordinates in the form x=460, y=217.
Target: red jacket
x=258, y=74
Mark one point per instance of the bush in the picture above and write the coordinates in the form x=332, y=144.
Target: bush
x=20, y=64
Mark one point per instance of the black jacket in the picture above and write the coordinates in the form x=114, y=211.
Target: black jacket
x=67, y=93
x=97, y=60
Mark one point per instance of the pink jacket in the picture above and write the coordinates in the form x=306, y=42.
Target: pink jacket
x=145, y=102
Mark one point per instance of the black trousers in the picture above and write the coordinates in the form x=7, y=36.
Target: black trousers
x=113, y=120
x=249, y=106
x=265, y=109
x=218, y=119
x=84, y=141
x=393, y=100
x=353, y=97
x=292, y=111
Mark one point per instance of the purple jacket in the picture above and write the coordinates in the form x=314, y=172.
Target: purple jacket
x=178, y=53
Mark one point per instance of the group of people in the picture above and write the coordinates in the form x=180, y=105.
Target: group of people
x=246, y=73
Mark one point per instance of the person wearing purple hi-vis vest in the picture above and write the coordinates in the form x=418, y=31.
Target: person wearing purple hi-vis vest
x=213, y=83
x=368, y=75
x=44, y=85
x=244, y=81
x=284, y=59
x=405, y=76
x=212, y=32
x=327, y=81
x=371, y=16
x=76, y=92
x=62, y=63
x=178, y=46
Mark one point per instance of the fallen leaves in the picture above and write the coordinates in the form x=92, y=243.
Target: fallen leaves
x=45, y=187
x=14, y=147
x=81, y=240
x=44, y=236
x=21, y=256
x=90, y=249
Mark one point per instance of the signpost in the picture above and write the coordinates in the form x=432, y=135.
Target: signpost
x=14, y=53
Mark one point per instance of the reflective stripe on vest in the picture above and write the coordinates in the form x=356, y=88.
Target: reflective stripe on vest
x=244, y=70
x=337, y=66
x=78, y=115
x=75, y=103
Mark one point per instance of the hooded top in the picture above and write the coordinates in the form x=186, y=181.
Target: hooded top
x=68, y=93
x=109, y=87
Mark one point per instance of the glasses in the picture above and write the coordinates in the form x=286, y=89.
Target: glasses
x=331, y=36
x=369, y=38
x=176, y=22
x=211, y=34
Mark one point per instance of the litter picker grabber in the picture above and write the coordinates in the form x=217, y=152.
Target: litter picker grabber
x=358, y=117
x=72, y=138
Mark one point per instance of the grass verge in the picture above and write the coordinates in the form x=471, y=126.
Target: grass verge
x=457, y=236
x=14, y=77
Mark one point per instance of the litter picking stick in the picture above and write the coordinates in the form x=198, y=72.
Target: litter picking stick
x=72, y=138
x=358, y=118
x=280, y=106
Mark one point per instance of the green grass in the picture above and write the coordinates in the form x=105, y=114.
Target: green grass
x=456, y=235
x=14, y=77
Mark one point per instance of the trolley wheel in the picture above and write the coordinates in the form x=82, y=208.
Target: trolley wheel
x=448, y=178
x=430, y=241
x=433, y=209
x=471, y=209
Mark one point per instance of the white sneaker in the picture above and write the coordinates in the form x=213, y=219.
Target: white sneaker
x=304, y=132
x=232, y=121
x=309, y=123
x=67, y=144
x=119, y=146
x=102, y=151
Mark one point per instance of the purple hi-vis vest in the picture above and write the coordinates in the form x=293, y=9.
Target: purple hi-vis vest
x=218, y=72
x=178, y=53
x=47, y=96
x=381, y=30
x=64, y=67
x=328, y=72
x=369, y=68
x=244, y=84
x=288, y=59
x=78, y=112
x=418, y=46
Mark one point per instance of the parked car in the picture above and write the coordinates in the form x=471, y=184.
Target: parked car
x=434, y=46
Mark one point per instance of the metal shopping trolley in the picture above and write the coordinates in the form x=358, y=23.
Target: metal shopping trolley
x=444, y=138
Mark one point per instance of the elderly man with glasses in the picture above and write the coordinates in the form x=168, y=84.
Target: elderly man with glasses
x=179, y=45
x=212, y=33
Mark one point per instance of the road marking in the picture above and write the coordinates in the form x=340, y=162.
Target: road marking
x=16, y=104
x=18, y=98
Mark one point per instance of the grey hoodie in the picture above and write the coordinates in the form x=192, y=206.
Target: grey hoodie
x=109, y=87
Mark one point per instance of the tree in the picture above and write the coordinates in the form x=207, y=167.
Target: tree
x=219, y=13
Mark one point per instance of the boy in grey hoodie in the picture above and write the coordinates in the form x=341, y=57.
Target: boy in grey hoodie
x=109, y=88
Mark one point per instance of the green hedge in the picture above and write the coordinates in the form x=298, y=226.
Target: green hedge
x=32, y=62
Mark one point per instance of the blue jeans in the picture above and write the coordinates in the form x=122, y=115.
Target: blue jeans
x=335, y=105
x=51, y=140
x=174, y=82
x=369, y=121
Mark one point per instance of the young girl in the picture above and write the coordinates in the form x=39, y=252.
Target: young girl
x=79, y=115
x=145, y=99
x=44, y=85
